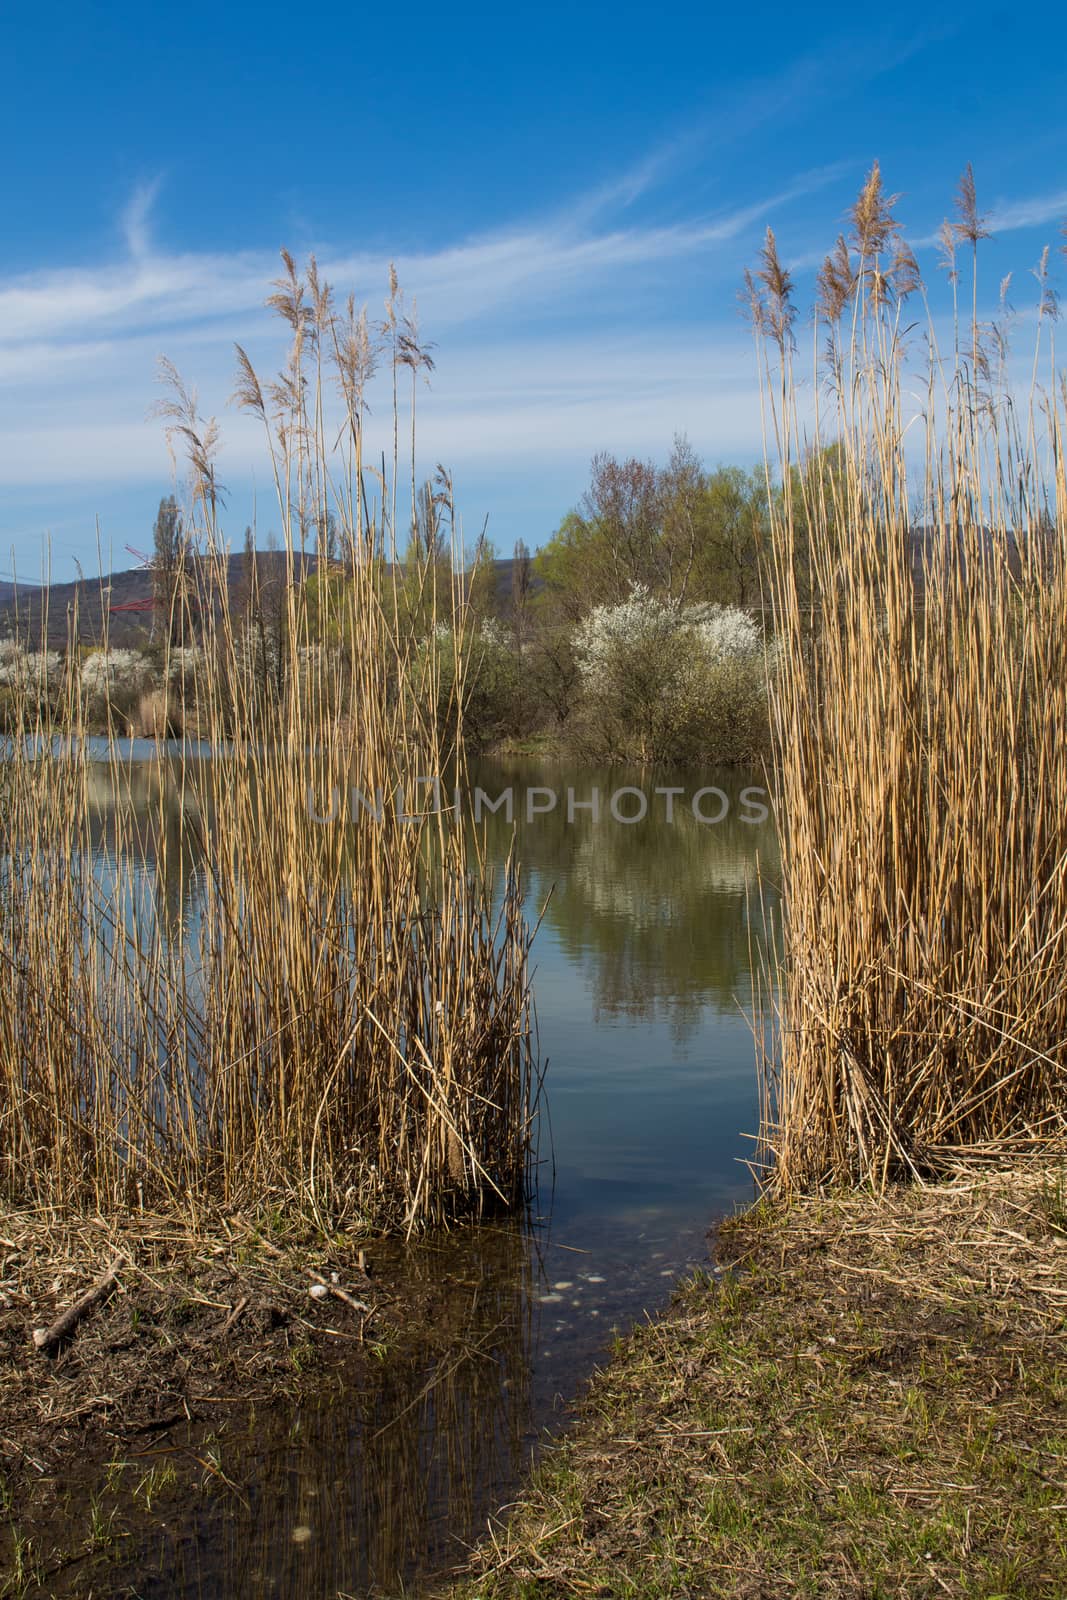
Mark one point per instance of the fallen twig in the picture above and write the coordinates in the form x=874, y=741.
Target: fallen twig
x=48, y=1340
x=234, y=1317
x=341, y=1294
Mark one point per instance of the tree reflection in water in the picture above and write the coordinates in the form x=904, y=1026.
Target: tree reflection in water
x=657, y=914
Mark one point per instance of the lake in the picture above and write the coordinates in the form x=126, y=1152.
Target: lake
x=643, y=1000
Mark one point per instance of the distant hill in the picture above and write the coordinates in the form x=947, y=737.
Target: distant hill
x=504, y=575
x=85, y=597
x=9, y=590
x=130, y=629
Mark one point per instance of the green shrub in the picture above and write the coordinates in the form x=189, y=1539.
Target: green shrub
x=666, y=683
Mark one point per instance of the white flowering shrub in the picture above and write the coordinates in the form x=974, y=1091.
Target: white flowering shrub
x=259, y=658
x=727, y=632
x=113, y=683
x=40, y=670
x=663, y=682
x=10, y=655
x=183, y=666
x=642, y=621
x=313, y=661
x=490, y=676
x=321, y=674
x=31, y=681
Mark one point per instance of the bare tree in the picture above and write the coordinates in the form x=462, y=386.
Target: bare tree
x=429, y=535
x=521, y=583
x=326, y=541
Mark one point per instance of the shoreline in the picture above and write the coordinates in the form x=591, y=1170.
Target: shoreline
x=871, y=1402
x=206, y=1320
x=866, y=1397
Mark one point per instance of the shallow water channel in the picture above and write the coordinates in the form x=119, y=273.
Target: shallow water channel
x=643, y=1003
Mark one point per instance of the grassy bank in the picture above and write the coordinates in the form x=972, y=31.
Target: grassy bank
x=872, y=1402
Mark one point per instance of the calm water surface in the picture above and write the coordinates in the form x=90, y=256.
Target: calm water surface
x=643, y=1003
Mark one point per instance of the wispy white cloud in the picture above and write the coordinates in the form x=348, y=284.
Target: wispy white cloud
x=135, y=219
x=1032, y=213
x=79, y=346
x=490, y=403
x=625, y=188
x=1008, y=217
x=1012, y=217
x=515, y=384
x=456, y=284
x=37, y=362
x=517, y=422
x=121, y=299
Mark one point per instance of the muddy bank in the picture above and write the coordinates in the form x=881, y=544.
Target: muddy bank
x=874, y=1405
x=121, y=1446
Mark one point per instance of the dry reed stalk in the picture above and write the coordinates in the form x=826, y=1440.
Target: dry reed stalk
x=918, y=581
x=338, y=1016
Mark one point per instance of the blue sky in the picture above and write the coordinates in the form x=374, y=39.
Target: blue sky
x=571, y=194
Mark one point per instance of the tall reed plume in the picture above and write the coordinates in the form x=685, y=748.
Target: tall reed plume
x=338, y=1018
x=918, y=583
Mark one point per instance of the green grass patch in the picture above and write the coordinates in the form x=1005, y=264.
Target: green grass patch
x=871, y=1405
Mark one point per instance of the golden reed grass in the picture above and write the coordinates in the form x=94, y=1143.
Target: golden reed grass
x=341, y=1021
x=918, y=583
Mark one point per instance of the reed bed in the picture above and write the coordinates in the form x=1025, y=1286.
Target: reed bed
x=339, y=1019
x=917, y=577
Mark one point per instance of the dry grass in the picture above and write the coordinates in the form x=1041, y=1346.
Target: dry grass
x=870, y=1406
x=341, y=1021
x=918, y=581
